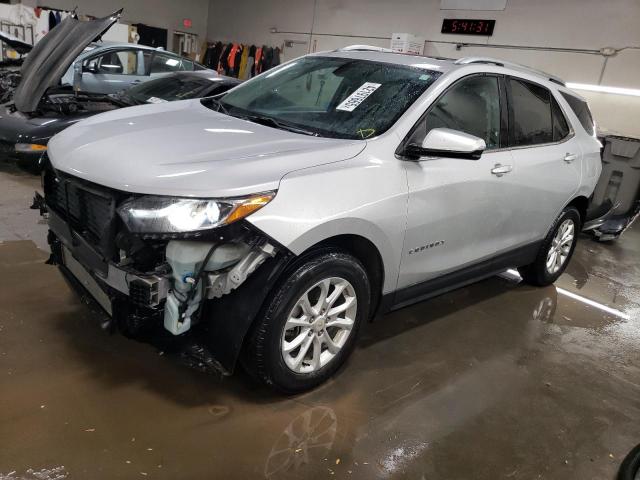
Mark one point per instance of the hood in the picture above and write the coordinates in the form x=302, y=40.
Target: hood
x=186, y=149
x=18, y=45
x=52, y=56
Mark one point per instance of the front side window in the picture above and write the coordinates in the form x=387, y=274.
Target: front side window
x=531, y=122
x=122, y=62
x=581, y=109
x=471, y=106
x=333, y=97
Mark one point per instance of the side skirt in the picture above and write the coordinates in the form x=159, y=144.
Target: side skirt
x=471, y=274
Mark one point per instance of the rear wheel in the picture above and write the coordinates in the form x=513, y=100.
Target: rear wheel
x=310, y=324
x=556, y=250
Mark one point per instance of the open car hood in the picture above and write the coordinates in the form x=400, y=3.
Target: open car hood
x=52, y=56
x=18, y=45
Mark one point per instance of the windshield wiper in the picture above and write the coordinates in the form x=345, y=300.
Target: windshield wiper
x=272, y=122
x=221, y=107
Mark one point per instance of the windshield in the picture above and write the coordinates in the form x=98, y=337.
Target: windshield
x=332, y=97
x=168, y=89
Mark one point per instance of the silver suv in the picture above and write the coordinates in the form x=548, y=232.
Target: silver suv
x=275, y=220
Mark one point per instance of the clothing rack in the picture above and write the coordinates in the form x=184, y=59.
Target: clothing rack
x=239, y=60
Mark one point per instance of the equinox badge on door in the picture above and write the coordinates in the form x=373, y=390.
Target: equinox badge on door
x=426, y=247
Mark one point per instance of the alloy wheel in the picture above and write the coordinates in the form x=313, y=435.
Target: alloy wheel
x=560, y=246
x=319, y=325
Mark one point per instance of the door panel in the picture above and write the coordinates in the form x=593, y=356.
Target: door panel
x=115, y=70
x=547, y=162
x=457, y=210
x=543, y=182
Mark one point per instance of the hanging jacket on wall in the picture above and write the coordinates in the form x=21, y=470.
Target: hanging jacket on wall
x=223, y=63
x=267, y=53
x=276, y=57
x=243, y=72
x=233, y=60
x=258, y=61
x=52, y=20
x=251, y=65
x=212, y=57
x=237, y=61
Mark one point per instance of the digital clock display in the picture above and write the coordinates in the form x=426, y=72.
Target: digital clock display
x=468, y=27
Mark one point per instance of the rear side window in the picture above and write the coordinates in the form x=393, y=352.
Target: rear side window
x=162, y=63
x=531, y=121
x=581, y=109
x=560, y=125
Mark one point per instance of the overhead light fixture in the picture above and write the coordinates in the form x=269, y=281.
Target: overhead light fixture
x=604, y=89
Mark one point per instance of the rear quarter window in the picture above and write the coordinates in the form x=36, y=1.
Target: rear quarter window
x=581, y=109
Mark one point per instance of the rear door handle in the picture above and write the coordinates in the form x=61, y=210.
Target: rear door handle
x=570, y=157
x=500, y=170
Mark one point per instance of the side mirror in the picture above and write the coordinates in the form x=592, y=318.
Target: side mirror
x=445, y=142
x=90, y=68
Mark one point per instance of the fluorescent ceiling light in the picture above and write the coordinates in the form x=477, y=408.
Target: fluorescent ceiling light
x=604, y=89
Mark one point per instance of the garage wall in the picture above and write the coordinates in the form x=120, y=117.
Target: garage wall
x=562, y=37
x=167, y=14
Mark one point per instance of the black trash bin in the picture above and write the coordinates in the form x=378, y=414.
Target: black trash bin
x=619, y=185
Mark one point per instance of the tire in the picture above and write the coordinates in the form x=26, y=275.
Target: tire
x=630, y=467
x=539, y=273
x=265, y=357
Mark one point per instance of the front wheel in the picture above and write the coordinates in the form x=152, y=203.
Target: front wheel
x=310, y=325
x=556, y=250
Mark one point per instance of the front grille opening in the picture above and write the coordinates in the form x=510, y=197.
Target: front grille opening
x=89, y=209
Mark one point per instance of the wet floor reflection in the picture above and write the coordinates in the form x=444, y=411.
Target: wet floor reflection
x=496, y=380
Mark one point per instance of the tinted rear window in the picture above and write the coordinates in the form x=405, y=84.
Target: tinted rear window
x=532, y=121
x=581, y=109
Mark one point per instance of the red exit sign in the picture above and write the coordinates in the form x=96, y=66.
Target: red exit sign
x=187, y=22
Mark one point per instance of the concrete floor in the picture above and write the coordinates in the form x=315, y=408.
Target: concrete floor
x=497, y=380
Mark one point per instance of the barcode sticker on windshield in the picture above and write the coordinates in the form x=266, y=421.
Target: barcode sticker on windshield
x=357, y=97
x=155, y=100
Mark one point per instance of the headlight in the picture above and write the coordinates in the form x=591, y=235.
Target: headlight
x=30, y=148
x=150, y=214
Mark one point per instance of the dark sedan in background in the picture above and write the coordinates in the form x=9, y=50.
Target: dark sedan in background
x=24, y=137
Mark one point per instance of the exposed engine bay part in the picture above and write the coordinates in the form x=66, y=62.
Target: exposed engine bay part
x=9, y=81
x=230, y=264
x=222, y=283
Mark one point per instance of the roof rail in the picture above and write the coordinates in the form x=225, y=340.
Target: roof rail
x=517, y=66
x=364, y=48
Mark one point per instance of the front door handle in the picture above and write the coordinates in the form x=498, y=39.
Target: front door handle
x=500, y=170
x=570, y=157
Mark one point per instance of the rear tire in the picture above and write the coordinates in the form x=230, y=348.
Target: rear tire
x=310, y=323
x=556, y=250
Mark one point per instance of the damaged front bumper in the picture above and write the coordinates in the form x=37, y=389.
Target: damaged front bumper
x=215, y=285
